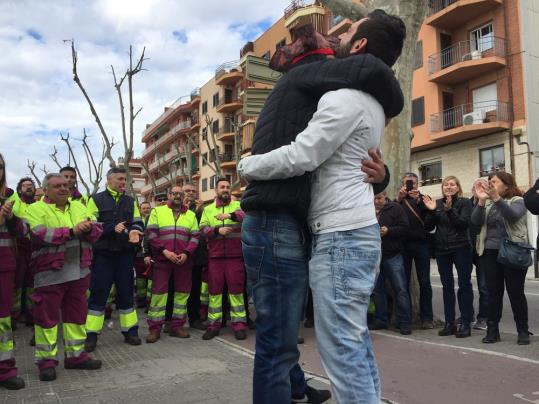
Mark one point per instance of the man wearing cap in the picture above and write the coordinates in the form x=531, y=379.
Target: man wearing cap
x=114, y=255
x=62, y=233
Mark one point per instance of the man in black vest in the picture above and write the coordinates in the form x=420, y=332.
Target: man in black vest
x=274, y=234
x=114, y=255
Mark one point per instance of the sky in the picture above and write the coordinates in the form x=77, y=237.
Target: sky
x=185, y=41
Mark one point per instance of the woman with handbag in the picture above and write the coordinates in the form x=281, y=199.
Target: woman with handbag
x=500, y=245
x=451, y=216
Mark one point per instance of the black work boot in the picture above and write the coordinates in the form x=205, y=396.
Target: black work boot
x=13, y=383
x=493, y=333
x=523, y=334
x=90, y=364
x=449, y=329
x=47, y=374
x=91, y=342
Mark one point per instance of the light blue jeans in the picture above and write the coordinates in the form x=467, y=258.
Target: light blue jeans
x=342, y=274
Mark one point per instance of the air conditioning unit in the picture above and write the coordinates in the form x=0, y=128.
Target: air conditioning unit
x=476, y=55
x=473, y=118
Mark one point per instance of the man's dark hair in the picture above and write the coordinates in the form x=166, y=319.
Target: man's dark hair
x=145, y=202
x=23, y=180
x=221, y=179
x=68, y=168
x=116, y=170
x=385, y=35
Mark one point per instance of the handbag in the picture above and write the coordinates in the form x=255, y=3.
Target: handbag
x=515, y=255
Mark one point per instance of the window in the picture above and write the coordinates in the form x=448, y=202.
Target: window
x=215, y=99
x=204, y=134
x=418, y=111
x=418, y=55
x=212, y=156
x=281, y=44
x=215, y=126
x=204, y=185
x=205, y=159
x=266, y=55
x=431, y=173
x=491, y=159
x=482, y=38
x=213, y=180
x=205, y=107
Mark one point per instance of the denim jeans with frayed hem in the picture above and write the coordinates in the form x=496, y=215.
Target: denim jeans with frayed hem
x=342, y=274
x=275, y=252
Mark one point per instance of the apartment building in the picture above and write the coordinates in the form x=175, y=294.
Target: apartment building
x=469, y=101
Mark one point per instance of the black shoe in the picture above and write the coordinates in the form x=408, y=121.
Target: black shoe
x=251, y=324
x=405, y=329
x=32, y=341
x=47, y=374
x=132, y=340
x=210, y=334
x=198, y=325
x=463, y=331
x=449, y=329
x=301, y=340
x=493, y=333
x=308, y=323
x=523, y=335
x=91, y=342
x=378, y=326
x=90, y=364
x=13, y=383
x=240, y=334
x=313, y=396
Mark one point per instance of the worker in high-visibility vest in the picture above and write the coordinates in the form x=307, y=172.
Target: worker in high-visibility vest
x=173, y=235
x=62, y=234
x=221, y=225
x=11, y=227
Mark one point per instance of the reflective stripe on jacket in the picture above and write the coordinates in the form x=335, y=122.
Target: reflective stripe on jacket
x=164, y=232
x=51, y=229
x=222, y=246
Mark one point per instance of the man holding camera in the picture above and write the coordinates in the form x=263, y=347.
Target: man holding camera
x=416, y=245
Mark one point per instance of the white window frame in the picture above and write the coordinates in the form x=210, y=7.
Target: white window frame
x=480, y=42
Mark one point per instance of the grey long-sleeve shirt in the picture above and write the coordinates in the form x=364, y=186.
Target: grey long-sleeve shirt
x=499, y=212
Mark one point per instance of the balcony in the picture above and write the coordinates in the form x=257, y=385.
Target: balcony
x=247, y=132
x=228, y=160
x=338, y=25
x=448, y=14
x=152, y=148
x=228, y=131
x=195, y=122
x=470, y=120
x=462, y=61
x=195, y=96
x=184, y=126
x=146, y=189
x=229, y=105
x=228, y=73
x=167, y=158
x=300, y=13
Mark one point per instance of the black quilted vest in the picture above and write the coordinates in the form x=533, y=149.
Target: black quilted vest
x=110, y=214
x=291, y=105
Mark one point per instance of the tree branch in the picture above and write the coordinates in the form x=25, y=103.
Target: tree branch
x=32, y=167
x=75, y=164
x=54, y=157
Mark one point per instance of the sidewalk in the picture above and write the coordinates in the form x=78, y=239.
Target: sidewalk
x=170, y=371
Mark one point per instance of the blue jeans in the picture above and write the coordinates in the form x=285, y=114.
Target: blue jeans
x=420, y=255
x=342, y=272
x=462, y=259
x=392, y=269
x=275, y=251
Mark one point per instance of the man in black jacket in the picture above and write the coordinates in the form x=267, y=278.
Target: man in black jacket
x=416, y=245
x=393, y=230
x=274, y=233
x=114, y=255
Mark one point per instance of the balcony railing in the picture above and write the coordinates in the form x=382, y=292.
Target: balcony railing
x=226, y=68
x=195, y=93
x=435, y=6
x=469, y=114
x=295, y=5
x=182, y=125
x=227, y=157
x=465, y=51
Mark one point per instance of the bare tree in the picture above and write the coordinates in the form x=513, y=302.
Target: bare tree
x=32, y=167
x=398, y=134
x=128, y=136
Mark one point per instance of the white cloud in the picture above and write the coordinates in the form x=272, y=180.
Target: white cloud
x=39, y=98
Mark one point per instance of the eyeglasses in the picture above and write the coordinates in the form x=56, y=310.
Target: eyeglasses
x=161, y=199
x=176, y=193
